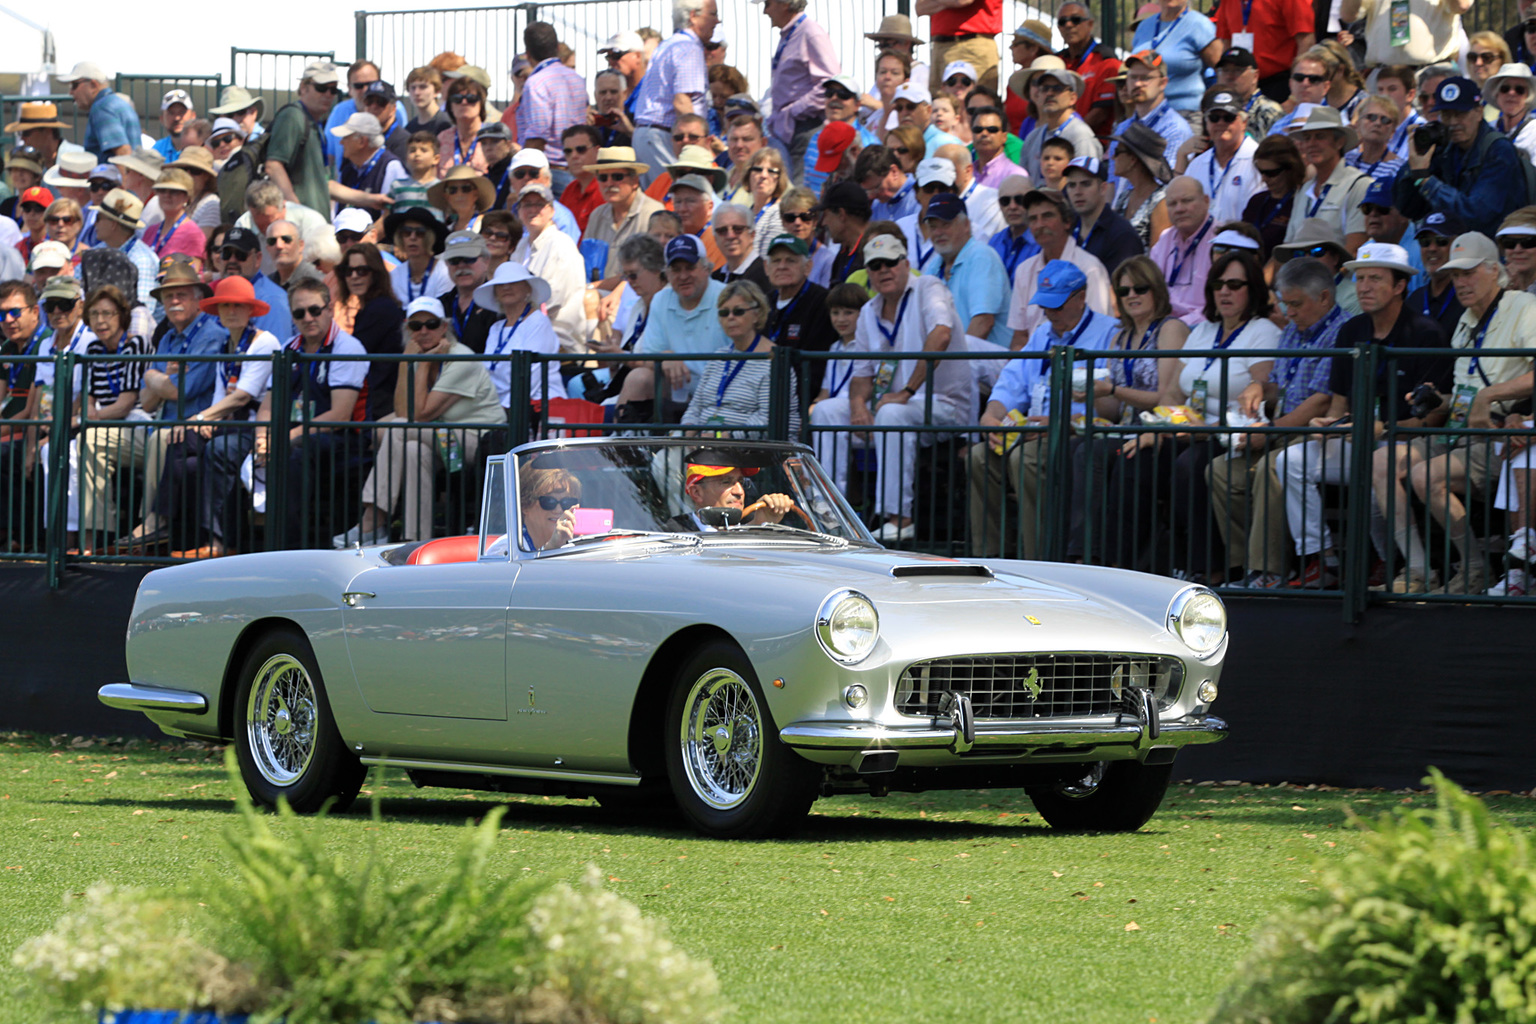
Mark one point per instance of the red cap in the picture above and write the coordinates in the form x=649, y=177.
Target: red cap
x=832, y=143
x=36, y=194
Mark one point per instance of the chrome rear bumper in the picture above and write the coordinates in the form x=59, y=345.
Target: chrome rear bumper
x=138, y=697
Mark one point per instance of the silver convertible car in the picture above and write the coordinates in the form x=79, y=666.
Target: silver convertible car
x=649, y=620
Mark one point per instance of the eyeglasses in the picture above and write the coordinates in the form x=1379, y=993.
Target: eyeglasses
x=307, y=312
x=687, y=137
x=1220, y=116
x=1132, y=289
x=986, y=129
x=358, y=270
x=1507, y=87
x=1067, y=21
x=280, y=239
x=1269, y=172
x=878, y=265
x=1526, y=242
x=464, y=97
x=1297, y=76
x=329, y=89
x=430, y=323
x=59, y=305
x=1231, y=284
x=954, y=81
x=770, y=171
x=1376, y=118
x=101, y=314
x=459, y=190
x=730, y=230
x=548, y=502
x=726, y=312
x=62, y=218
x=808, y=217
x=1016, y=200
x=1482, y=58
x=525, y=173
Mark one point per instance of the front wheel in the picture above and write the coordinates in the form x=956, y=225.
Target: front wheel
x=731, y=775
x=286, y=741
x=1111, y=796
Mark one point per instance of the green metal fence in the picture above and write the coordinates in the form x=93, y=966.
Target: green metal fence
x=10, y=109
x=145, y=91
x=274, y=74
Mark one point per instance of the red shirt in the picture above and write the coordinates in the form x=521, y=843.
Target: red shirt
x=984, y=17
x=582, y=201
x=1098, y=66
x=1275, y=24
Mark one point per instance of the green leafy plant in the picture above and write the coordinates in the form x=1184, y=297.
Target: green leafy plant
x=1432, y=919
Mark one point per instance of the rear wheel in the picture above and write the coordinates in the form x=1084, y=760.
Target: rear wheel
x=730, y=774
x=286, y=741
x=1111, y=796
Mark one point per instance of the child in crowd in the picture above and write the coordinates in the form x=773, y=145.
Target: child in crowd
x=832, y=447
x=1055, y=154
x=422, y=153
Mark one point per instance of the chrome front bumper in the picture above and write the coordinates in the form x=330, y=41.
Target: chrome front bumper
x=138, y=697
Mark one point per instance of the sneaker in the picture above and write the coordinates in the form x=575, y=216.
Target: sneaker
x=1258, y=580
x=1317, y=575
x=892, y=532
x=357, y=536
x=1514, y=584
x=1410, y=583
x=1521, y=546
x=1472, y=579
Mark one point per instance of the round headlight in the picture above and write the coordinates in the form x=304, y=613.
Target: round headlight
x=847, y=626
x=1199, y=619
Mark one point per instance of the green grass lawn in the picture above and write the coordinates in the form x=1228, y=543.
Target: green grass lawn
x=937, y=907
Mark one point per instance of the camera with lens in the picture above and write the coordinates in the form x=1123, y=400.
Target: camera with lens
x=1428, y=136
x=1424, y=400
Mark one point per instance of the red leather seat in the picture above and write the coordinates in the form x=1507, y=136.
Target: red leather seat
x=446, y=549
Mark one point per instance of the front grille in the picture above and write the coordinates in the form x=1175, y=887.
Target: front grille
x=1065, y=685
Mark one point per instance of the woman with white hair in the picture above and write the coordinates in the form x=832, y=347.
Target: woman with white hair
x=1513, y=92
x=518, y=294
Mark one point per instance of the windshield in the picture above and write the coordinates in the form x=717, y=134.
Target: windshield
x=708, y=489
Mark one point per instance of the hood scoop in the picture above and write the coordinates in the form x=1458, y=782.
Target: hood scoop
x=943, y=569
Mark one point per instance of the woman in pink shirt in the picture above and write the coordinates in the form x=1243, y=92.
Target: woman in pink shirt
x=177, y=232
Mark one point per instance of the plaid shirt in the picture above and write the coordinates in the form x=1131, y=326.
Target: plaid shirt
x=1299, y=378
x=676, y=67
x=554, y=98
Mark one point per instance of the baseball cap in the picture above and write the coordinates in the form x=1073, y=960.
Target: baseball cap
x=959, y=67
x=1220, y=99
x=1089, y=165
x=425, y=304
x=935, y=169
x=173, y=97
x=1379, y=194
x=247, y=240
x=1384, y=255
x=832, y=143
x=51, y=255
x=535, y=188
x=685, y=248
x=530, y=157
x=1458, y=94
x=790, y=242
x=107, y=172
x=36, y=194
x=226, y=126
x=320, y=72
x=1239, y=56
x=379, y=89
x=464, y=245
x=1146, y=58
x=350, y=219
x=1445, y=225
x=944, y=206
x=845, y=82
x=883, y=247
x=497, y=130
x=365, y=125
x=696, y=182
x=623, y=42
x=86, y=70
x=1471, y=250
x=912, y=92
x=61, y=286
x=1057, y=283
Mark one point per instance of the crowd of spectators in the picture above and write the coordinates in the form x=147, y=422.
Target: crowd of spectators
x=1261, y=179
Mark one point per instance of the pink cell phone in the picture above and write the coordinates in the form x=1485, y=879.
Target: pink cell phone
x=592, y=520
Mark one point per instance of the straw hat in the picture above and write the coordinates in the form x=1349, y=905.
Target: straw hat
x=619, y=158
x=437, y=195
x=195, y=158
x=36, y=115
x=236, y=98
x=894, y=28
x=234, y=290
x=698, y=160
x=122, y=207
x=1324, y=119
x=178, y=274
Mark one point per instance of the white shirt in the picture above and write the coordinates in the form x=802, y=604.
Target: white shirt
x=555, y=258
x=534, y=334
x=1256, y=333
x=928, y=305
x=1022, y=316
x=981, y=206
x=1230, y=187
x=255, y=375
x=438, y=282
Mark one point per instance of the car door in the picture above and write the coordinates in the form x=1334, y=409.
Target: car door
x=430, y=640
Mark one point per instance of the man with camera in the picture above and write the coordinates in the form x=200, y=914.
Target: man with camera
x=1460, y=165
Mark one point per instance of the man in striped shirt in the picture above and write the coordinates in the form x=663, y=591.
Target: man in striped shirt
x=675, y=83
x=554, y=98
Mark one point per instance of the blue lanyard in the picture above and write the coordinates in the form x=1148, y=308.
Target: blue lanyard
x=1157, y=37
x=901, y=194
x=1148, y=340
x=1173, y=278
x=1211, y=178
x=1275, y=206
x=14, y=370
x=111, y=373
x=731, y=374
x=1071, y=339
x=361, y=174
x=1223, y=343
x=232, y=369
x=163, y=236
x=1247, y=10
x=501, y=186
x=901, y=311
x=458, y=154
x=1051, y=133
x=784, y=36
x=1317, y=202
x=461, y=320
x=1015, y=255
x=411, y=294
x=783, y=319
x=922, y=255
x=1450, y=293
x=853, y=254
x=1477, y=342
x=639, y=329
x=835, y=388
x=1400, y=137
x=505, y=335
x=1293, y=364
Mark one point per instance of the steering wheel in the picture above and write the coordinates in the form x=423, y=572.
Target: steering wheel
x=793, y=510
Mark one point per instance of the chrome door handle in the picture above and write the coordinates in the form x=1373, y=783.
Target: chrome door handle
x=351, y=597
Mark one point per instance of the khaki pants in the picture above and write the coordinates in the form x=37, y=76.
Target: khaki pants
x=989, y=495
x=409, y=457
x=102, y=450
x=1249, y=505
x=980, y=53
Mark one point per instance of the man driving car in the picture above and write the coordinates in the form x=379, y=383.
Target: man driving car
x=714, y=479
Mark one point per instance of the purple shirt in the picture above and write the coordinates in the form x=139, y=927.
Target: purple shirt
x=677, y=68
x=998, y=171
x=803, y=61
x=554, y=98
x=1186, y=263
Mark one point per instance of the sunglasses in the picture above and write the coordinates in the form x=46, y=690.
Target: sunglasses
x=687, y=137
x=898, y=150
x=1269, y=172
x=954, y=81
x=430, y=323
x=934, y=186
x=1017, y=200
x=358, y=270
x=229, y=252
x=879, y=265
x=1436, y=241
x=1507, y=87
x=1520, y=243
x=329, y=89
x=462, y=261
x=731, y=229
x=280, y=239
x=795, y=218
x=1069, y=20
x=1222, y=250
x=771, y=171
x=1220, y=116
x=459, y=190
x=1482, y=58
x=60, y=219
x=412, y=231
x=13, y=313
x=107, y=186
x=32, y=208
x=464, y=97
x=986, y=129
x=348, y=237
x=903, y=106
x=1375, y=209
x=360, y=86
x=1376, y=118
x=59, y=305
x=221, y=140
x=576, y=150
x=1231, y=284
x=307, y=312
x=726, y=312
x=1133, y=289
x=525, y=173
x=1530, y=26
x=1051, y=87
x=838, y=94
x=548, y=502
x=1297, y=76
x=1316, y=252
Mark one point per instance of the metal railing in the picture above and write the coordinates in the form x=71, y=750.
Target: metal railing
x=10, y=109
x=1208, y=501
x=145, y=92
x=274, y=74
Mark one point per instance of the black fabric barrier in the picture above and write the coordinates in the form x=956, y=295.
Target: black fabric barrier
x=1309, y=697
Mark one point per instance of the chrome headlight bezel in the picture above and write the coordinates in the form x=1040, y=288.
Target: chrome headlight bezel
x=1198, y=618
x=843, y=601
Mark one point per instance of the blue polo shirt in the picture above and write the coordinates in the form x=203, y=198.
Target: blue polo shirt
x=815, y=179
x=933, y=139
x=670, y=328
x=278, y=321
x=979, y=285
x=112, y=123
x=203, y=336
x=1013, y=251
x=1016, y=386
x=1179, y=43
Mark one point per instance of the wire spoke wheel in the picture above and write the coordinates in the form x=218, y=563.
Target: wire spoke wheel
x=281, y=720
x=722, y=739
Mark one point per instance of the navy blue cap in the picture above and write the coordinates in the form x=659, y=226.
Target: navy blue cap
x=1443, y=224
x=1458, y=94
x=1379, y=194
x=686, y=248
x=380, y=89
x=944, y=206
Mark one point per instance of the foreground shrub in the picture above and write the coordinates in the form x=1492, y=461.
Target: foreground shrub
x=1433, y=919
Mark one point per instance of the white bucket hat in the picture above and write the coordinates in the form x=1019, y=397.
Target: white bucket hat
x=511, y=273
